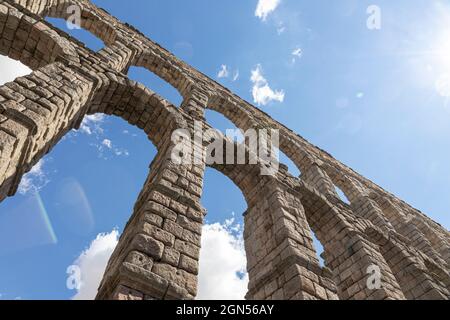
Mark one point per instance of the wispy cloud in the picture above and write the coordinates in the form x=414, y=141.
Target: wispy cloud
x=236, y=75
x=107, y=143
x=296, y=54
x=106, y=147
x=34, y=180
x=223, y=72
x=266, y=7
x=93, y=126
x=281, y=28
x=262, y=92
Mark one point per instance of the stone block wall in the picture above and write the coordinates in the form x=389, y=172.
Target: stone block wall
x=157, y=255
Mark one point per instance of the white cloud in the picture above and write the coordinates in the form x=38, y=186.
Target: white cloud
x=92, y=124
x=11, y=69
x=223, y=72
x=223, y=263
x=236, y=75
x=262, y=93
x=106, y=147
x=34, y=180
x=92, y=264
x=107, y=143
x=297, y=54
x=265, y=7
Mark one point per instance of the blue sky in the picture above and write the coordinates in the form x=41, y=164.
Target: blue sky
x=377, y=100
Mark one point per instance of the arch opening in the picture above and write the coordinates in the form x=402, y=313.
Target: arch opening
x=219, y=122
x=292, y=167
x=76, y=17
x=154, y=82
x=320, y=250
x=222, y=273
x=38, y=46
x=232, y=112
x=89, y=39
x=82, y=205
x=342, y=195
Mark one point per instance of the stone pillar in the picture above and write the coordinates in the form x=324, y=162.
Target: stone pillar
x=317, y=178
x=157, y=256
x=350, y=262
x=411, y=274
x=406, y=227
x=281, y=259
x=348, y=254
x=366, y=208
x=195, y=103
x=35, y=112
x=439, y=240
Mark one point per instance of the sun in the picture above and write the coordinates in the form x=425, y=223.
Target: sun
x=440, y=59
x=440, y=53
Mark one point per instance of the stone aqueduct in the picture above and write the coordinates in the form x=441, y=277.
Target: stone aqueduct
x=157, y=256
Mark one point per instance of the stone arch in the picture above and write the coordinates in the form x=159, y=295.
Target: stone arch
x=31, y=41
x=37, y=110
x=152, y=80
x=245, y=116
x=358, y=196
x=243, y=120
x=92, y=20
x=195, y=96
x=116, y=51
x=158, y=253
x=152, y=61
x=275, y=229
x=140, y=107
x=232, y=111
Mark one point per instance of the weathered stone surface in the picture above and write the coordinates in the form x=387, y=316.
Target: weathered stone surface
x=157, y=256
x=189, y=264
x=148, y=245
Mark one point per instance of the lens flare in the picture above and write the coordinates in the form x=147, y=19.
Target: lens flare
x=29, y=215
x=46, y=218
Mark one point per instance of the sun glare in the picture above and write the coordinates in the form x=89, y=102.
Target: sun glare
x=442, y=63
x=441, y=54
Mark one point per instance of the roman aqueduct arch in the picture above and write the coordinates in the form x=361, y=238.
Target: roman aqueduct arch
x=157, y=256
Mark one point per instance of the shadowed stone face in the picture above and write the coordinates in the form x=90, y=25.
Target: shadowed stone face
x=375, y=246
